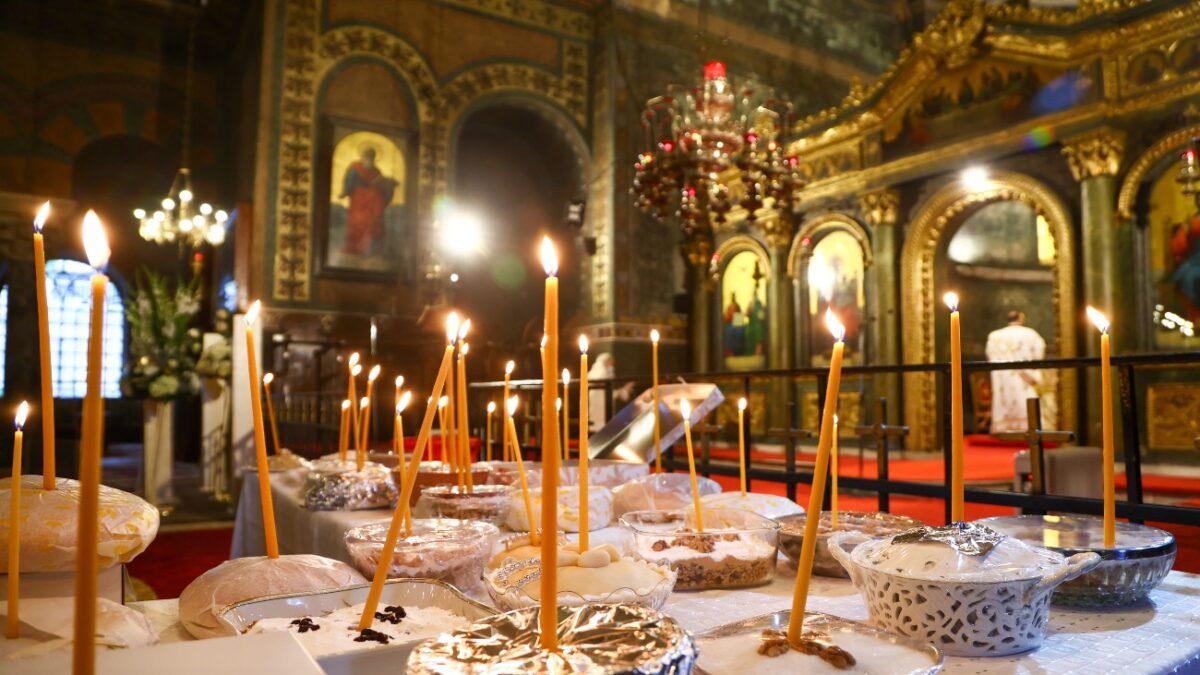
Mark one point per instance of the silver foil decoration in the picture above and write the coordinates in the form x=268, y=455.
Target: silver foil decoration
x=966, y=538
x=629, y=435
x=371, y=488
x=596, y=639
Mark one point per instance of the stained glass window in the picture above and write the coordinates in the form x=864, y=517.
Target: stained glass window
x=69, y=300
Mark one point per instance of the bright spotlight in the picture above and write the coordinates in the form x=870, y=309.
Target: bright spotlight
x=461, y=231
x=975, y=178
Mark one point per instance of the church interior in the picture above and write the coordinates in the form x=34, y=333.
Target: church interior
x=288, y=286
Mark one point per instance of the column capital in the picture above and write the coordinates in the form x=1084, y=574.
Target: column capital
x=1096, y=153
x=697, y=248
x=778, y=231
x=881, y=207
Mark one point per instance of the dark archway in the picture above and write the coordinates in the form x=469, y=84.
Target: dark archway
x=518, y=172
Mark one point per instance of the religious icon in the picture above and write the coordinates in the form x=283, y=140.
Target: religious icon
x=368, y=210
x=743, y=313
x=836, y=281
x=1174, y=247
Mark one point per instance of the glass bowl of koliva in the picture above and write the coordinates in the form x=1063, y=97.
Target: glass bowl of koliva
x=736, y=548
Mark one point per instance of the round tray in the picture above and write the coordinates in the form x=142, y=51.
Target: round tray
x=1127, y=572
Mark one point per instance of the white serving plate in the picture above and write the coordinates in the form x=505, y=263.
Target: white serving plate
x=387, y=659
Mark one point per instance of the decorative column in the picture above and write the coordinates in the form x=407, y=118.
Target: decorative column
x=781, y=307
x=697, y=249
x=881, y=211
x=1107, y=250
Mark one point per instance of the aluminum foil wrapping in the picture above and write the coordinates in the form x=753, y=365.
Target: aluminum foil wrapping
x=371, y=488
x=966, y=538
x=594, y=639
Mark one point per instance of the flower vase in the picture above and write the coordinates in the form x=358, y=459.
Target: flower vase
x=158, y=452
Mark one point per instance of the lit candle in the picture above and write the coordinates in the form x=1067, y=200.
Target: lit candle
x=809, y=545
x=450, y=439
x=566, y=414
x=12, y=630
x=360, y=453
x=491, y=408
x=833, y=479
x=956, y=412
x=1106, y=421
x=464, y=434
x=361, y=456
x=353, y=368
x=344, y=431
x=260, y=442
x=742, y=442
x=398, y=432
x=441, y=409
x=396, y=390
x=511, y=434
x=95, y=243
x=657, y=400
x=39, y=277
x=583, y=443
x=548, y=617
x=685, y=409
x=398, y=516
x=508, y=371
x=267, y=380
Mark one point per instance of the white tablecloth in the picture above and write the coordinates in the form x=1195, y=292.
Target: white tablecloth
x=1159, y=635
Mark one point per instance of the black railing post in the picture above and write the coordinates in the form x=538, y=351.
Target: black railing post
x=1131, y=435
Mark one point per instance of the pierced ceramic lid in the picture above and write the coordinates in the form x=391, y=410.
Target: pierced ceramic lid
x=961, y=552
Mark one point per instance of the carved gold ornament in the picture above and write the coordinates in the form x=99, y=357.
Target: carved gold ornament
x=1098, y=153
x=880, y=208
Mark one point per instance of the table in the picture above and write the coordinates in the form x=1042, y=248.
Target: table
x=1161, y=634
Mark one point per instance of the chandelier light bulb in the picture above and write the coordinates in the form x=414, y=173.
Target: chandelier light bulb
x=185, y=195
x=221, y=216
x=206, y=209
x=168, y=204
x=139, y=213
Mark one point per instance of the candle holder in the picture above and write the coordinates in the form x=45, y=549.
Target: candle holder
x=1127, y=572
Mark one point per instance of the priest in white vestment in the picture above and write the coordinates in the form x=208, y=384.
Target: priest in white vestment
x=1011, y=388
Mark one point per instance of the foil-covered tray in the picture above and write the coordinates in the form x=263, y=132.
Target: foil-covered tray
x=874, y=650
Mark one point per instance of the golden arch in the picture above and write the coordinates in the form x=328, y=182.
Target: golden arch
x=947, y=208
x=736, y=244
x=1172, y=142
x=802, y=243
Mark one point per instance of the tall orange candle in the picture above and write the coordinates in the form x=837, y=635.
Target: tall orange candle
x=402, y=470
x=566, y=414
x=508, y=371
x=833, y=476
x=583, y=443
x=956, y=412
x=49, y=470
x=353, y=369
x=365, y=442
x=548, y=618
x=1106, y=428
x=808, y=548
x=399, y=384
x=95, y=243
x=398, y=516
x=742, y=442
x=491, y=409
x=657, y=400
x=464, y=434
x=260, y=441
x=685, y=409
x=267, y=380
x=360, y=453
x=13, y=627
x=443, y=433
x=344, y=431
x=510, y=433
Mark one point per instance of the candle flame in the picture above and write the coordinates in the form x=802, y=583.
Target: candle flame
x=405, y=399
x=452, y=327
x=741, y=404
x=549, y=257
x=356, y=370
x=399, y=381
x=95, y=242
x=654, y=336
x=40, y=220
x=345, y=405
x=374, y=373
x=268, y=379
x=443, y=401
x=491, y=407
x=1098, y=319
x=466, y=347
x=363, y=402
x=22, y=411
x=685, y=409
x=835, y=419
x=558, y=404
x=566, y=378
x=252, y=313
x=544, y=339
x=353, y=360
x=464, y=329
x=513, y=402
x=509, y=367
x=951, y=299
x=583, y=344
x=835, y=327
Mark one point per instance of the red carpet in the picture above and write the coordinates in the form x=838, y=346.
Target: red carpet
x=985, y=464
x=174, y=559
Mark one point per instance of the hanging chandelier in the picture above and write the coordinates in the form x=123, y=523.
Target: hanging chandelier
x=713, y=148
x=178, y=219
x=1189, y=172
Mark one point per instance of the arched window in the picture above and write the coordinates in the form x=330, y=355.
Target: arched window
x=3, y=333
x=69, y=300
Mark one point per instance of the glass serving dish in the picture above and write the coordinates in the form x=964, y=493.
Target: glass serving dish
x=488, y=503
x=371, y=488
x=515, y=583
x=1127, y=572
x=736, y=549
x=439, y=473
x=863, y=524
x=454, y=551
x=600, y=512
x=601, y=472
x=733, y=648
